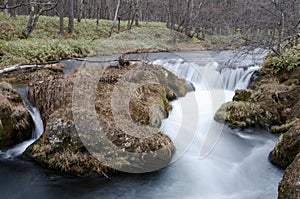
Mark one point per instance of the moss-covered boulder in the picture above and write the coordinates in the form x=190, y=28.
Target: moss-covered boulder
x=61, y=147
x=15, y=121
x=239, y=114
x=287, y=147
x=289, y=187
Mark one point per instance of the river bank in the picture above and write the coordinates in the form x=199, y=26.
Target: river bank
x=272, y=102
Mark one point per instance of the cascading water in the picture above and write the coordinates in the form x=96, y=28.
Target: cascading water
x=217, y=161
x=37, y=131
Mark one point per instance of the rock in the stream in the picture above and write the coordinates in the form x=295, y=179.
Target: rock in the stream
x=15, y=121
x=289, y=187
x=239, y=114
x=62, y=150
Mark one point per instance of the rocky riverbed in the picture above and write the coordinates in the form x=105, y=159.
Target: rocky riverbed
x=272, y=102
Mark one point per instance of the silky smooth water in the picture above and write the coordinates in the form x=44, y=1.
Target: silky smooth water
x=212, y=161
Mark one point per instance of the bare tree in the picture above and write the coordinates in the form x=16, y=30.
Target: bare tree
x=36, y=10
x=116, y=17
x=80, y=10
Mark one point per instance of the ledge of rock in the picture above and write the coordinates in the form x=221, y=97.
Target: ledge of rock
x=61, y=147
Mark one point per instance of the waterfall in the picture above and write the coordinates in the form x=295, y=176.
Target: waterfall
x=213, y=88
x=37, y=131
x=210, y=75
x=208, y=150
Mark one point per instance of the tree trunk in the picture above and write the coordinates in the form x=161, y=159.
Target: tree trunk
x=12, y=12
x=98, y=15
x=80, y=12
x=33, y=17
x=137, y=17
x=71, y=17
x=129, y=15
x=60, y=7
x=6, y=13
x=187, y=27
x=116, y=17
x=171, y=20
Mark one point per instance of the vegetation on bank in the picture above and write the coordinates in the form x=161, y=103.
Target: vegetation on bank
x=46, y=44
x=286, y=62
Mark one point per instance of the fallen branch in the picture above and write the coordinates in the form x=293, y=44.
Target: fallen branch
x=34, y=66
x=105, y=61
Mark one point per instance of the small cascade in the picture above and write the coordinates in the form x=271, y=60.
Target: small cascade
x=210, y=75
x=37, y=131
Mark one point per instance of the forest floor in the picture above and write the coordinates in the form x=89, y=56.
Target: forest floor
x=45, y=43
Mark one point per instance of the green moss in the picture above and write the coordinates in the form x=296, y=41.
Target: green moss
x=243, y=95
x=287, y=61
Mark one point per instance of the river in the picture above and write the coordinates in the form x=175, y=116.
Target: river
x=212, y=161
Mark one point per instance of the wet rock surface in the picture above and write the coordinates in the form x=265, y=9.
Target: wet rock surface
x=62, y=148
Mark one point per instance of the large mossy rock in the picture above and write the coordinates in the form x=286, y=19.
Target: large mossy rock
x=289, y=187
x=15, y=121
x=62, y=150
x=240, y=114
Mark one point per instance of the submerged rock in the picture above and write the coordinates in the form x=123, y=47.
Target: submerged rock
x=289, y=187
x=15, y=121
x=64, y=149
